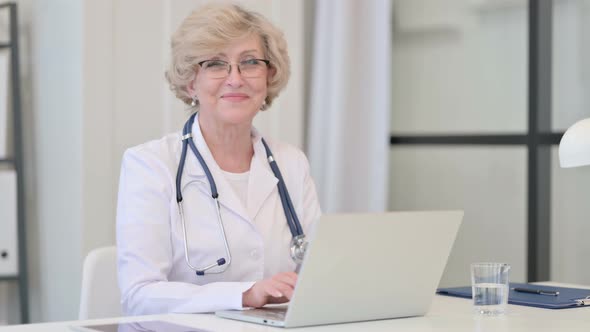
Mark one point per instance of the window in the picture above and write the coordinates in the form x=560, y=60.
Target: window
x=476, y=125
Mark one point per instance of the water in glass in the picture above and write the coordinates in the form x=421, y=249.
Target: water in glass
x=490, y=298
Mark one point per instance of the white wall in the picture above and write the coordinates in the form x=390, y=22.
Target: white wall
x=98, y=88
x=58, y=124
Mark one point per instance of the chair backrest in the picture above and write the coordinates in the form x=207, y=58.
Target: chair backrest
x=100, y=296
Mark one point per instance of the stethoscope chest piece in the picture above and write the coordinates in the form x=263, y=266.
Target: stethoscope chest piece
x=298, y=248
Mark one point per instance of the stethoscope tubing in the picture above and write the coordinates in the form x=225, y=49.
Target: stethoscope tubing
x=188, y=141
x=292, y=220
x=221, y=261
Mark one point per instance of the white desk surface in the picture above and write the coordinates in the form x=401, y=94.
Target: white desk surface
x=446, y=314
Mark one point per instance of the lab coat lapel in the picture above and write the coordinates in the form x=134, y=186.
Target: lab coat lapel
x=262, y=181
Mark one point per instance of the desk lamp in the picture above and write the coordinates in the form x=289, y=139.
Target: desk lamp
x=574, y=147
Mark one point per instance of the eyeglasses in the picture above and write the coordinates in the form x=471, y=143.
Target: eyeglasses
x=251, y=68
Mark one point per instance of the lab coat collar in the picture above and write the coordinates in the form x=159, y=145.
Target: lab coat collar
x=261, y=181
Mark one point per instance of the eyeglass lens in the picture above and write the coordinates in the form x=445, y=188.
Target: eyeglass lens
x=251, y=68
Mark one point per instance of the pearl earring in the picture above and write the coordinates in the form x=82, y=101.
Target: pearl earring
x=194, y=101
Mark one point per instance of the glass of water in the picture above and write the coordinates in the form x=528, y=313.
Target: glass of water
x=489, y=286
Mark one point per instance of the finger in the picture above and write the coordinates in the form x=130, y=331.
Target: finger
x=288, y=293
x=277, y=300
x=289, y=278
x=274, y=289
x=284, y=289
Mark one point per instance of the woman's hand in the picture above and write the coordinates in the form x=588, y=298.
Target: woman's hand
x=277, y=289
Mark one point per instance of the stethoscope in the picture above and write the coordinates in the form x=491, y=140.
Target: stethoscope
x=298, y=243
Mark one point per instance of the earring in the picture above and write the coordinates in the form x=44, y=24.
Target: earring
x=263, y=106
x=194, y=101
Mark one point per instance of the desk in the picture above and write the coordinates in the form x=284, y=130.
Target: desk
x=446, y=314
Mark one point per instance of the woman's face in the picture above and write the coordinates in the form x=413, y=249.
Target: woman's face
x=233, y=99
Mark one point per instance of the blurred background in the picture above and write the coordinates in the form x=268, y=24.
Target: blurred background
x=399, y=105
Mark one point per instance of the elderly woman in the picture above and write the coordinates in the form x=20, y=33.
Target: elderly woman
x=206, y=219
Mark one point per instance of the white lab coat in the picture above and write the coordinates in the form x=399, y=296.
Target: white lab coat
x=153, y=275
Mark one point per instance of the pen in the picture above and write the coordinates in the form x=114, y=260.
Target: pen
x=536, y=291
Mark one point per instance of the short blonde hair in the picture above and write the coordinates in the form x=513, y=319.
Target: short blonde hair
x=213, y=27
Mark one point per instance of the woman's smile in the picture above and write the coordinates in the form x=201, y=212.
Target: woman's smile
x=234, y=97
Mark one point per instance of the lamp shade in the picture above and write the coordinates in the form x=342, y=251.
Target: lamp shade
x=574, y=147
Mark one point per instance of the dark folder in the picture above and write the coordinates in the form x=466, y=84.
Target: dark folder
x=567, y=298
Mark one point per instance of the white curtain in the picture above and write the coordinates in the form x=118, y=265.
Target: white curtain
x=349, y=116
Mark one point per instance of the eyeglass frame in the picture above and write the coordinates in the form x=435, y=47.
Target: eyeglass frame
x=229, y=65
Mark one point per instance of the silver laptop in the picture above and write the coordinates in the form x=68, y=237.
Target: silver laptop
x=361, y=267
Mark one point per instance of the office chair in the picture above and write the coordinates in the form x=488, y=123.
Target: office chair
x=100, y=296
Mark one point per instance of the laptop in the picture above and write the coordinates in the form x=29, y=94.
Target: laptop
x=361, y=267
